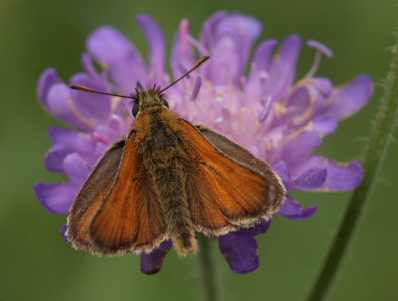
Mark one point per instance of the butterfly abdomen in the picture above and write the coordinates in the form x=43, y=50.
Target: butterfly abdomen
x=170, y=184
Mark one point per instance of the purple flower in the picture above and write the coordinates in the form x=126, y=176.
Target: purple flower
x=279, y=120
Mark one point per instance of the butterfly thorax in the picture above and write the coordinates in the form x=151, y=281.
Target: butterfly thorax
x=159, y=136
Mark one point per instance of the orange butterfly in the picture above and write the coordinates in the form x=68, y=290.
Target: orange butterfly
x=169, y=178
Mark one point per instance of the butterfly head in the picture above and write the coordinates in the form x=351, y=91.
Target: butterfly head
x=151, y=97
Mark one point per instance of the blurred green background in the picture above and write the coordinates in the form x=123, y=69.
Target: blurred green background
x=36, y=263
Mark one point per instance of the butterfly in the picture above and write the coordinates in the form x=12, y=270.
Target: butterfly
x=169, y=179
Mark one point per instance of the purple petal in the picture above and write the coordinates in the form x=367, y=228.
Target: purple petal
x=340, y=176
x=240, y=248
x=311, y=179
x=61, y=105
x=296, y=150
x=294, y=211
x=348, y=99
x=323, y=85
x=63, y=229
x=100, y=149
x=76, y=168
x=300, y=103
x=233, y=39
x=224, y=65
x=94, y=107
x=157, y=47
x=207, y=35
x=111, y=132
x=283, y=68
x=77, y=140
x=265, y=225
x=261, y=59
x=182, y=54
x=244, y=31
x=324, y=124
x=57, y=198
x=248, y=28
x=66, y=142
x=283, y=171
x=240, y=253
x=55, y=157
x=88, y=64
x=117, y=53
x=46, y=81
x=151, y=263
x=259, y=75
x=307, y=100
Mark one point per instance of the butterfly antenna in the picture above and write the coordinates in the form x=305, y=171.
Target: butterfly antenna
x=85, y=89
x=198, y=63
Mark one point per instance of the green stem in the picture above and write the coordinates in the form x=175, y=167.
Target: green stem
x=209, y=271
x=374, y=155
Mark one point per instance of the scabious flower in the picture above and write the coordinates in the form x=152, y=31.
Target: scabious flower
x=279, y=120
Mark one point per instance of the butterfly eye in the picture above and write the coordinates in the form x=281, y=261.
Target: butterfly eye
x=136, y=109
x=165, y=103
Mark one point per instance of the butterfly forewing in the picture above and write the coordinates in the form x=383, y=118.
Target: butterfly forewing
x=240, y=154
x=229, y=193
x=206, y=215
x=131, y=217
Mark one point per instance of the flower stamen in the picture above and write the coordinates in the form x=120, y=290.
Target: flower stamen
x=321, y=49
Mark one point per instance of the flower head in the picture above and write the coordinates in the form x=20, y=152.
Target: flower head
x=279, y=120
